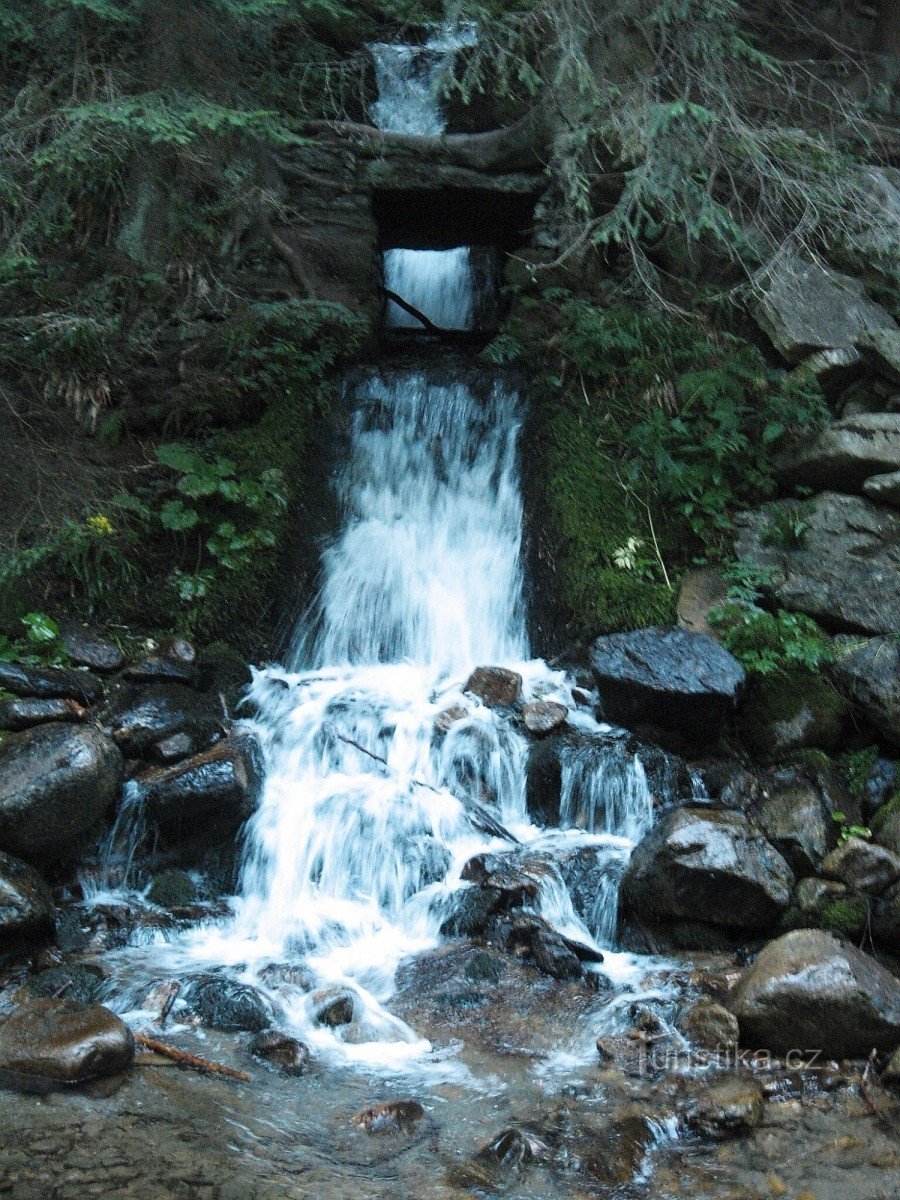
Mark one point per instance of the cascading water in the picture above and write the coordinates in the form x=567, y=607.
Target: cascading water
x=381, y=771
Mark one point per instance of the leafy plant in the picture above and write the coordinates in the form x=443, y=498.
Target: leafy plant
x=41, y=644
x=847, y=829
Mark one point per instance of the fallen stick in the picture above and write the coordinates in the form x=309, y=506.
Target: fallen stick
x=183, y=1059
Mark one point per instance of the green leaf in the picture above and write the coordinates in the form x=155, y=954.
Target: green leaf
x=177, y=518
x=39, y=628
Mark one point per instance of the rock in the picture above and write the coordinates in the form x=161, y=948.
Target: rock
x=891, y=1072
x=544, y=716
x=844, y=455
x=888, y=832
x=223, y=670
x=224, y=1004
x=812, y=990
x=868, y=672
x=707, y=867
x=178, y=649
x=281, y=1050
x=793, y=818
x=26, y=905
x=805, y=307
x=158, y=668
x=470, y=911
x=395, y=1116
x=710, y=1025
x=730, y=1106
x=496, y=686
x=513, y=1148
x=884, y=489
x=446, y=719
x=62, y=1042
x=205, y=799
x=832, y=370
x=862, y=866
x=173, y=890
x=701, y=591
x=681, y=681
x=25, y=713
x=333, y=1007
x=881, y=347
x=886, y=918
x=826, y=904
x=789, y=711
x=172, y=749
x=50, y=683
x=843, y=569
x=73, y=981
x=140, y=716
x=56, y=783
x=615, y=1151
x=87, y=646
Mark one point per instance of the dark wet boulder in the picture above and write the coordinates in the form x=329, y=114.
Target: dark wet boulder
x=863, y=867
x=223, y=670
x=26, y=905
x=56, y=783
x=74, y=981
x=792, y=710
x=281, y=1050
x=710, y=1025
x=469, y=911
x=90, y=647
x=204, y=800
x=140, y=716
x=727, y=1106
x=26, y=712
x=885, y=916
x=833, y=557
x=333, y=1006
x=50, y=683
x=827, y=904
x=811, y=990
x=541, y=717
x=390, y=1117
x=59, y=1042
x=792, y=814
x=158, y=668
x=174, y=890
x=868, y=672
x=497, y=687
x=699, y=868
x=225, y=1004
x=680, y=681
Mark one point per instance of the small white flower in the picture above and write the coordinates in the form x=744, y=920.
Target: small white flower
x=625, y=558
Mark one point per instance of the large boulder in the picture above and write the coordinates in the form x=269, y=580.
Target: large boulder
x=56, y=783
x=834, y=557
x=142, y=716
x=884, y=489
x=791, y=710
x=24, y=712
x=498, y=687
x=810, y=990
x=868, y=672
x=845, y=454
x=863, y=867
x=225, y=1004
x=87, y=646
x=702, y=867
x=668, y=677
x=62, y=1042
x=26, y=906
x=793, y=817
x=50, y=683
x=805, y=307
x=204, y=800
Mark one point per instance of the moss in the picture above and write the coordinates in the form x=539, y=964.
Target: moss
x=172, y=889
x=772, y=720
x=887, y=810
x=856, y=767
x=847, y=916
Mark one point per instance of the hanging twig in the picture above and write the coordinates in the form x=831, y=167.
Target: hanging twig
x=183, y=1059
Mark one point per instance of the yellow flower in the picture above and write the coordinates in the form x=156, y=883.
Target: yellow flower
x=100, y=525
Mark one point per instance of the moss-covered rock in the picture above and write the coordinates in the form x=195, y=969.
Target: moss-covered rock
x=790, y=711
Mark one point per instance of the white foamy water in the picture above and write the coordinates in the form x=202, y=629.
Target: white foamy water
x=411, y=79
x=439, y=283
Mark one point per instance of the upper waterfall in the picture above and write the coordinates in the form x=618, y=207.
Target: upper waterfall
x=410, y=80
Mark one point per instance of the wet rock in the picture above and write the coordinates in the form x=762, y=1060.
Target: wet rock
x=26, y=905
x=178, y=649
x=224, y=1004
x=790, y=711
x=90, y=647
x=554, y=954
x=514, y=1149
x=173, y=890
x=291, y=975
x=710, y=1025
x=544, y=716
x=281, y=1050
x=391, y=1117
x=139, y=716
x=812, y=990
x=333, y=1007
x=205, y=799
x=884, y=489
x=172, y=749
x=792, y=816
x=24, y=713
x=680, y=681
x=498, y=687
x=862, y=866
x=886, y=918
x=56, y=783
x=446, y=719
x=701, y=591
x=158, y=668
x=886, y=831
x=727, y=1107
x=844, y=455
x=730, y=784
x=518, y=876
x=73, y=981
x=698, y=866
x=224, y=670
x=470, y=911
x=50, y=683
x=891, y=1073
x=880, y=345
x=805, y=307
x=868, y=672
x=843, y=568
x=61, y=1042
x=613, y=1153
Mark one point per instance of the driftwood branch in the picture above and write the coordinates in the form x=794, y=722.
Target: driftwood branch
x=413, y=312
x=183, y=1059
